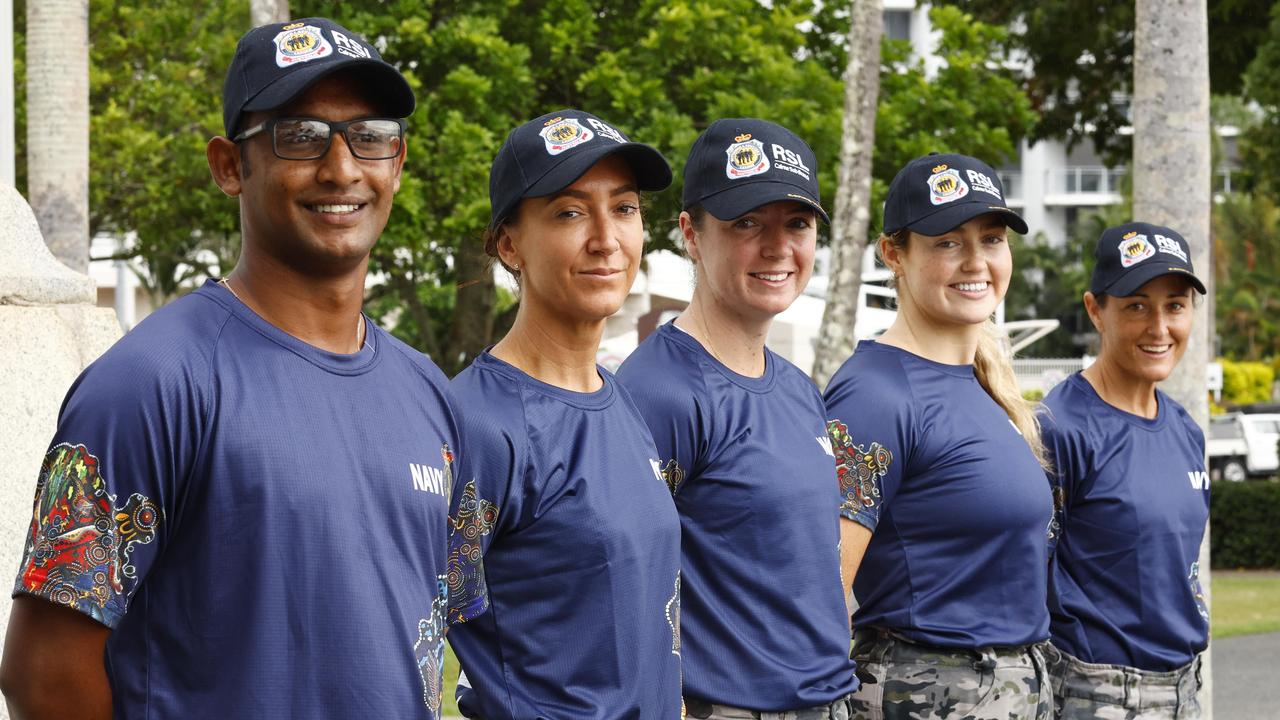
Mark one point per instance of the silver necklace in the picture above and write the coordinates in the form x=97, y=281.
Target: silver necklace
x=360, y=329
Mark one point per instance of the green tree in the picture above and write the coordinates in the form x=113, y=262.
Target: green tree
x=1246, y=250
x=481, y=68
x=1081, y=56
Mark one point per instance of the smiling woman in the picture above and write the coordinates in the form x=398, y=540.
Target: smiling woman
x=742, y=440
x=939, y=463
x=564, y=529
x=1127, y=605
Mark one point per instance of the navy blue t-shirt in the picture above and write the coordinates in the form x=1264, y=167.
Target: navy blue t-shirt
x=569, y=524
x=956, y=500
x=1125, y=579
x=750, y=466
x=261, y=522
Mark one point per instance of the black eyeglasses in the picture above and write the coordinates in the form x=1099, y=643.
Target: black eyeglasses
x=295, y=138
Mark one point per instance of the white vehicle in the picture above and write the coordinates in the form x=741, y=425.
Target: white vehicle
x=1241, y=445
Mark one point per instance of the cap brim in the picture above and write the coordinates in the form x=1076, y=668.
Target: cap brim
x=953, y=216
x=1131, y=281
x=738, y=200
x=649, y=166
x=382, y=81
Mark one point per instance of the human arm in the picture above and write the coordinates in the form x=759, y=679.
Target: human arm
x=53, y=663
x=854, y=539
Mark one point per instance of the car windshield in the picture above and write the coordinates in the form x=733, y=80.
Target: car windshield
x=1227, y=429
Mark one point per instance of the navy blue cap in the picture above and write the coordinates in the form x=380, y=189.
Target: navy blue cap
x=276, y=63
x=936, y=193
x=1131, y=255
x=739, y=164
x=550, y=152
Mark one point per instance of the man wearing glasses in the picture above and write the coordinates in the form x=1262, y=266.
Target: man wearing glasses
x=243, y=512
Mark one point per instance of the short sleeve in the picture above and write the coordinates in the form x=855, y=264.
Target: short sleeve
x=126, y=440
x=870, y=432
x=1066, y=451
x=675, y=417
x=490, y=465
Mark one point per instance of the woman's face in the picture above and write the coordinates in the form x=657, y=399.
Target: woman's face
x=578, y=250
x=756, y=265
x=954, y=279
x=1145, y=334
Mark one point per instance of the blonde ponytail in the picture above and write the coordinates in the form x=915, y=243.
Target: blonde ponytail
x=993, y=366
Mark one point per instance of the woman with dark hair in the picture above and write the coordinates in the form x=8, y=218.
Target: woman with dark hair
x=564, y=530
x=741, y=436
x=945, y=505
x=1127, y=613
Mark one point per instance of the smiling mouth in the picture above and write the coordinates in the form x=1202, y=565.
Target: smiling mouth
x=335, y=209
x=1155, y=349
x=770, y=277
x=971, y=287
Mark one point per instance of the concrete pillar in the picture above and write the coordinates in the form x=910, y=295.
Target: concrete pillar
x=52, y=329
x=1033, y=168
x=8, y=146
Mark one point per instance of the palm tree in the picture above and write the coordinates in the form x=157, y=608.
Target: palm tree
x=58, y=126
x=1171, y=179
x=853, y=196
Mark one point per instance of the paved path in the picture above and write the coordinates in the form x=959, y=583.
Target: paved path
x=1246, y=677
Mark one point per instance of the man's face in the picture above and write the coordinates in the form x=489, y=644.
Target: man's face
x=321, y=215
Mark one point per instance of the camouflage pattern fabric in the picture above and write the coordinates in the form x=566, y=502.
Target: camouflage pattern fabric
x=903, y=680
x=702, y=710
x=1092, y=691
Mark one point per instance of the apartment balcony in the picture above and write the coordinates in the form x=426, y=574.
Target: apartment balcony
x=1082, y=185
x=1011, y=181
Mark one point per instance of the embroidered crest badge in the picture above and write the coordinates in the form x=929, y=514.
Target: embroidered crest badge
x=746, y=158
x=561, y=134
x=946, y=185
x=298, y=43
x=1134, y=248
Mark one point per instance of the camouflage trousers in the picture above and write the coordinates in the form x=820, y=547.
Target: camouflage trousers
x=702, y=710
x=1093, y=691
x=904, y=680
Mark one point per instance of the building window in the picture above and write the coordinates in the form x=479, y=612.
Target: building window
x=897, y=24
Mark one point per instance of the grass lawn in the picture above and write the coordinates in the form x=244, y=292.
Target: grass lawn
x=449, y=705
x=1245, y=602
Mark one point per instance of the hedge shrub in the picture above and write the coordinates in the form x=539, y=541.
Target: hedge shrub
x=1246, y=382
x=1244, y=519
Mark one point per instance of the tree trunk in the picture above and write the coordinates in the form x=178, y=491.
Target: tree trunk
x=262, y=12
x=58, y=126
x=1171, y=181
x=853, y=193
x=472, y=328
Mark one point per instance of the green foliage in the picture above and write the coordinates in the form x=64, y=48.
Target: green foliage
x=1082, y=55
x=1049, y=281
x=156, y=72
x=1246, y=382
x=1242, y=521
x=1260, y=143
x=1246, y=248
x=660, y=70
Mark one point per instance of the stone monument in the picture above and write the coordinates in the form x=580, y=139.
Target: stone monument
x=50, y=330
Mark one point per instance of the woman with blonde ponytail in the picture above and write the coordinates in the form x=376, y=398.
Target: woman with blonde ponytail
x=943, y=500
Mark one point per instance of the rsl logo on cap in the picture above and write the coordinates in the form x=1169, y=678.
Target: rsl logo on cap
x=946, y=185
x=560, y=134
x=298, y=43
x=745, y=158
x=1134, y=248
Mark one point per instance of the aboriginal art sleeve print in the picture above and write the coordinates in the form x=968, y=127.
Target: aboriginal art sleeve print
x=869, y=411
x=125, y=440
x=492, y=464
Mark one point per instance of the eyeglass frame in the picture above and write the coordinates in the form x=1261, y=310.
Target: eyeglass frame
x=334, y=128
